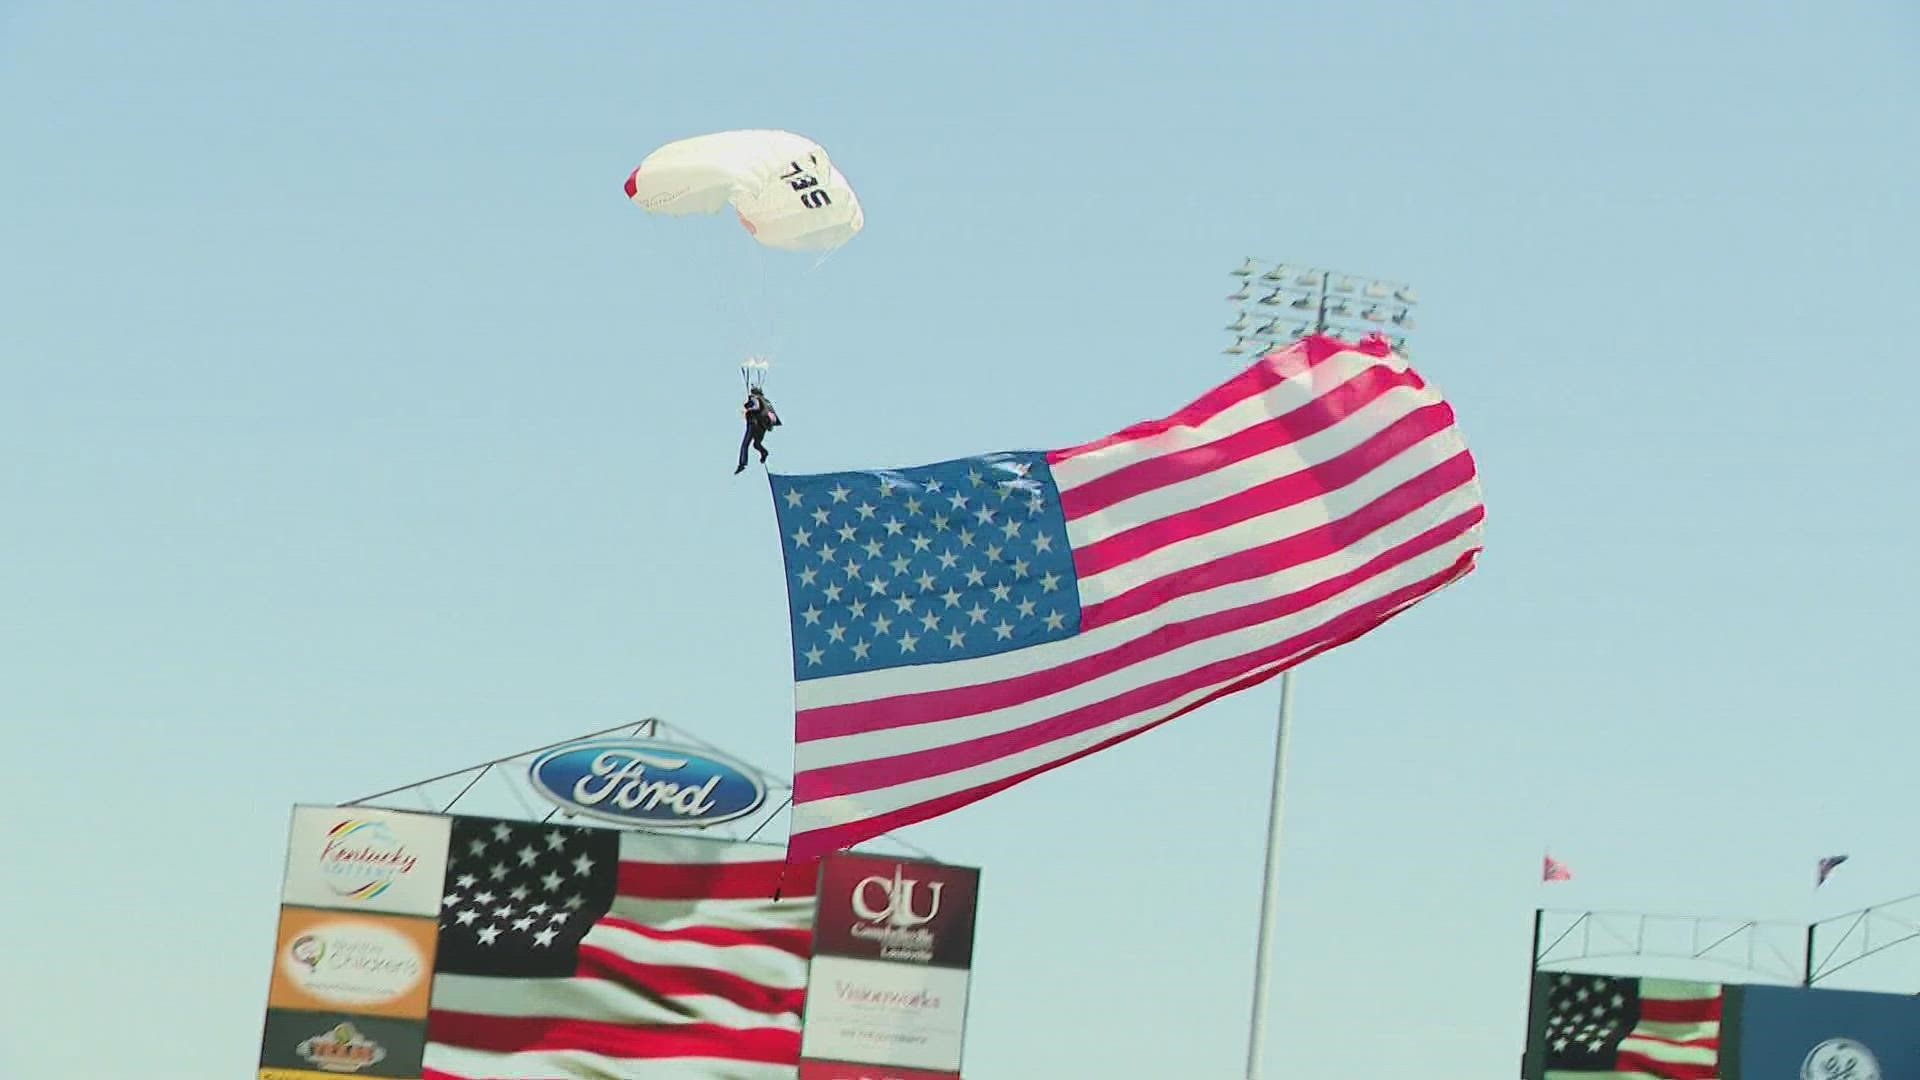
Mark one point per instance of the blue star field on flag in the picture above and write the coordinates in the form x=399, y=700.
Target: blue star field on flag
x=950, y=561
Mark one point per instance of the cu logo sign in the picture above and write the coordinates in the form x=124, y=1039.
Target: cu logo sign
x=895, y=905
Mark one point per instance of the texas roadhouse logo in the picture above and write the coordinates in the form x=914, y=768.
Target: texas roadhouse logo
x=342, y=1050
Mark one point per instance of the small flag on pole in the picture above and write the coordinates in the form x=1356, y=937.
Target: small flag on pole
x=1553, y=869
x=1825, y=868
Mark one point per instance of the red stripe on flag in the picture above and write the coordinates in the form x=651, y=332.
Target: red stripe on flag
x=1637, y=1064
x=708, y=881
x=1303, y=547
x=1257, y=379
x=1265, y=498
x=1708, y=1043
x=511, y=1034
x=881, y=772
x=676, y=980
x=1174, y=466
x=814, y=843
x=1680, y=1011
x=796, y=942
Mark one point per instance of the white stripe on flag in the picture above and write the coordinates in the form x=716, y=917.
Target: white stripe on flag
x=1302, y=386
x=929, y=678
x=452, y=1061
x=1287, y=521
x=839, y=810
x=764, y=914
x=925, y=736
x=1282, y=460
x=593, y=999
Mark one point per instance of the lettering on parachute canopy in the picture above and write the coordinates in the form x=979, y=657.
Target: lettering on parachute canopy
x=812, y=196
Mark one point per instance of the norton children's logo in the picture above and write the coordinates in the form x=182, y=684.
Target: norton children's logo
x=1840, y=1059
x=352, y=963
x=342, y=1050
x=893, y=913
x=306, y=951
x=641, y=781
x=362, y=858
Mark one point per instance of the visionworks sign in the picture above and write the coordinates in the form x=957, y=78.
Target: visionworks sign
x=893, y=952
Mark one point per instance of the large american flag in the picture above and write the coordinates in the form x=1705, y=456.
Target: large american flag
x=1597, y=1027
x=960, y=627
x=570, y=952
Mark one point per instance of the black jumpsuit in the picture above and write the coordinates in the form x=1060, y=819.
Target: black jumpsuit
x=758, y=425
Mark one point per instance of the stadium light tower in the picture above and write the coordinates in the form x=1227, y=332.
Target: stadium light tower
x=1278, y=303
x=1275, y=304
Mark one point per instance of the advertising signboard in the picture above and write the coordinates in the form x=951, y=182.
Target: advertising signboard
x=359, y=859
x=840, y=1070
x=646, y=782
x=353, y=956
x=1811, y=1034
x=362, y=965
x=893, y=953
x=1605, y=1026
x=334, y=1044
x=539, y=950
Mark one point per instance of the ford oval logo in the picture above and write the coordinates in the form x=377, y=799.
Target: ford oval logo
x=641, y=782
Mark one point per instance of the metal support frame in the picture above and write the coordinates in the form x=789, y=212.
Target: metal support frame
x=650, y=726
x=527, y=805
x=1767, y=948
x=1776, y=950
x=1896, y=922
x=1752, y=946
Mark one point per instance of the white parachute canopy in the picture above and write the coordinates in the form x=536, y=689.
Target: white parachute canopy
x=784, y=189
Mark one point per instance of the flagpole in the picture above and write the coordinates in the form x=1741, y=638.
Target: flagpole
x=1256, y=1035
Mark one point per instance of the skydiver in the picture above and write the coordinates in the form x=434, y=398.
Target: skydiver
x=760, y=418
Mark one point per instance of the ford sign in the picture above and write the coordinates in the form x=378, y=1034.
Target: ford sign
x=641, y=782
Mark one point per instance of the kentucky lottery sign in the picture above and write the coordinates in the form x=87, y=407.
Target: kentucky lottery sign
x=643, y=782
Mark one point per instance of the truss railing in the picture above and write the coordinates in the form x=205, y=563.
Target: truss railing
x=500, y=788
x=1773, y=950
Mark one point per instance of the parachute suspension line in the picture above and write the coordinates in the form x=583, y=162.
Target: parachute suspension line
x=727, y=308
x=772, y=337
x=753, y=371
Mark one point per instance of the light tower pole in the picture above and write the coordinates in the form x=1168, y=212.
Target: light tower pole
x=1276, y=304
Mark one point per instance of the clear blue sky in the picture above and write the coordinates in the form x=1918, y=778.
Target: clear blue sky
x=353, y=427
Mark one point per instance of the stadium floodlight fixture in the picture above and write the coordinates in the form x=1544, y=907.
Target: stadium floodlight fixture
x=1334, y=302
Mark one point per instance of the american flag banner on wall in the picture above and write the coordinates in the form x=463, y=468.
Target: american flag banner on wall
x=963, y=626
x=1599, y=1027
x=571, y=952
